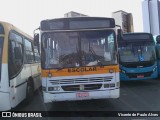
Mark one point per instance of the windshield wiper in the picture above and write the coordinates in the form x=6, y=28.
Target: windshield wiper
x=60, y=68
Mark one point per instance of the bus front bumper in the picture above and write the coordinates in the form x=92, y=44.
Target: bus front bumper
x=85, y=95
x=124, y=77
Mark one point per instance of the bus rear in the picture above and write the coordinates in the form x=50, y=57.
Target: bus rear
x=137, y=57
x=79, y=59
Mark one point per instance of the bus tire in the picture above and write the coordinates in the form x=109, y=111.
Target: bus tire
x=29, y=91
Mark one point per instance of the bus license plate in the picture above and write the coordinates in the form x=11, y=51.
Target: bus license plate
x=82, y=95
x=140, y=76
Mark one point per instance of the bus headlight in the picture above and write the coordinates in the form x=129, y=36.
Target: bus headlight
x=50, y=88
x=123, y=71
x=43, y=88
x=110, y=85
x=154, y=69
x=106, y=85
x=55, y=88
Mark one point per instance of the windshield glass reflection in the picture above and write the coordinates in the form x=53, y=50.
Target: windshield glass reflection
x=137, y=51
x=74, y=49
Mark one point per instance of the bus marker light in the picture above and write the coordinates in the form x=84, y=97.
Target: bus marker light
x=49, y=75
x=111, y=70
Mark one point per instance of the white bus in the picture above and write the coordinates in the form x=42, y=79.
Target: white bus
x=19, y=67
x=79, y=59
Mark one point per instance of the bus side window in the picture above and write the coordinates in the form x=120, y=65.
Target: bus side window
x=36, y=54
x=18, y=53
x=29, y=52
x=15, y=52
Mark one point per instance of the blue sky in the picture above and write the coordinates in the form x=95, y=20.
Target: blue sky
x=27, y=14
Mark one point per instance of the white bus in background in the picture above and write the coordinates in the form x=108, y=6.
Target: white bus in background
x=19, y=67
x=79, y=58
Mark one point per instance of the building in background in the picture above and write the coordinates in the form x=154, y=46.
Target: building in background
x=124, y=19
x=74, y=14
x=151, y=16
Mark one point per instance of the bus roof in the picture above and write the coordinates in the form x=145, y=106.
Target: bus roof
x=9, y=26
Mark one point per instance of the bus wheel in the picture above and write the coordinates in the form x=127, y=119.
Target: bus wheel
x=29, y=91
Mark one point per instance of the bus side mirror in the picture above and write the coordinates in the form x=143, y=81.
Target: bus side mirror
x=36, y=39
x=120, y=34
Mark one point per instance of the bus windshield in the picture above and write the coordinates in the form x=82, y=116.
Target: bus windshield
x=74, y=49
x=1, y=50
x=137, y=51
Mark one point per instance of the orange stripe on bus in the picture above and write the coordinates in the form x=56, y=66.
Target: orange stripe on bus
x=81, y=71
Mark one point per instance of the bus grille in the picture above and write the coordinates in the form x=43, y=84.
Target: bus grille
x=82, y=80
x=77, y=87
